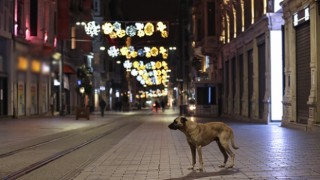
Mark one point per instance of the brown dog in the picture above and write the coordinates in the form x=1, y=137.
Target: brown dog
x=199, y=135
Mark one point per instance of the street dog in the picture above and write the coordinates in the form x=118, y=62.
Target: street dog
x=199, y=135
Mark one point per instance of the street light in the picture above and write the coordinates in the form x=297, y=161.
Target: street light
x=58, y=57
x=81, y=90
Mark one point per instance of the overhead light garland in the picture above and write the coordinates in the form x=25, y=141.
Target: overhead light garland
x=152, y=93
x=151, y=73
x=131, y=52
x=131, y=29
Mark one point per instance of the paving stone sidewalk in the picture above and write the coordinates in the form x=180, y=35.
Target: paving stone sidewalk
x=153, y=151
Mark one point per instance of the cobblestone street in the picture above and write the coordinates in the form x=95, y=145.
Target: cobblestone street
x=153, y=151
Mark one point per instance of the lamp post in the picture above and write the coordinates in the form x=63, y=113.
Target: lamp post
x=58, y=57
x=81, y=90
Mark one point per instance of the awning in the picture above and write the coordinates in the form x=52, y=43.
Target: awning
x=67, y=69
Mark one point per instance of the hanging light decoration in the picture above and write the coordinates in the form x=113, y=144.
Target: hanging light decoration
x=130, y=52
x=119, y=30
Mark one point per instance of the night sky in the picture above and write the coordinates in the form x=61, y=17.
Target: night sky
x=149, y=10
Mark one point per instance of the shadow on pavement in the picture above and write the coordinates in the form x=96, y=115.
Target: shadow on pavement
x=197, y=174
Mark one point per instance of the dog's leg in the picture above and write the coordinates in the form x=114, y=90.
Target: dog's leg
x=225, y=155
x=193, y=154
x=199, y=149
x=230, y=153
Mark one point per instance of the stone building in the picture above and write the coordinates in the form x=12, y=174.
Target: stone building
x=302, y=56
x=247, y=53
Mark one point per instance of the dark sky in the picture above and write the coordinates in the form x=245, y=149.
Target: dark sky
x=149, y=10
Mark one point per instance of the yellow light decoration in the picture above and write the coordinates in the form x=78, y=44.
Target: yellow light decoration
x=159, y=72
x=164, y=34
x=148, y=54
x=124, y=51
x=141, y=33
x=121, y=33
x=160, y=26
x=164, y=63
x=158, y=64
x=164, y=77
x=162, y=50
x=149, y=29
x=136, y=64
x=128, y=56
x=165, y=56
x=107, y=28
x=145, y=76
x=134, y=54
x=141, y=72
x=148, y=82
x=154, y=51
x=142, y=67
x=113, y=35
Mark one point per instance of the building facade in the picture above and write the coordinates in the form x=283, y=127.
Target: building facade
x=34, y=41
x=301, y=98
x=247, y=54
x=6, y=46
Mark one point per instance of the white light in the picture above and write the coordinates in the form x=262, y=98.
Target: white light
x=56, y=82
x=102, y=48
x=209, y=95
x=102, y=88
x=295, y=20
x=81, y=90
x=306, y=14
x=45, y=68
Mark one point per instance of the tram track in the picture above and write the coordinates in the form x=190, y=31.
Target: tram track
x=20, y=162
x=58, y=155
x=36, y=145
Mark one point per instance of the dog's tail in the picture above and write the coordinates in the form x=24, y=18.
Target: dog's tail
x=232, y=142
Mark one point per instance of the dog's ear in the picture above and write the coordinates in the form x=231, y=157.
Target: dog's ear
x=184, y=119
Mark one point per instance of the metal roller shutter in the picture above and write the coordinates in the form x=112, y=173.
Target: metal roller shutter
x=262, y=78
x=241, y=80
x=303, y=72
x=250, y=79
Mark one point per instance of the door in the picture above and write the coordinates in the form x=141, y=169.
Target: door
x=303, y=71
x=3, y=96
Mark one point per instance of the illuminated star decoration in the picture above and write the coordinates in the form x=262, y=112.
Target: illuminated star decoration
x=92, y=29
x=116, y=30
x=130, y=52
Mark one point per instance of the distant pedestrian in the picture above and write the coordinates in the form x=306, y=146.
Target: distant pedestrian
x=163, y=105
x=157, y=105
x=52, y=103
x=102, y=105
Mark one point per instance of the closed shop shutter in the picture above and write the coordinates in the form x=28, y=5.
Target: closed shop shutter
x=241, y=80
x=233, y=80
x=262, y=78
x=303, y=72
x=250, y=80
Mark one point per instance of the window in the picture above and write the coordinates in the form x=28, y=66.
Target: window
x=206, y=95
x=211, y=19
x=33, y=17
